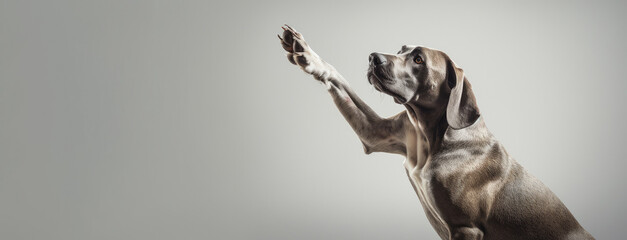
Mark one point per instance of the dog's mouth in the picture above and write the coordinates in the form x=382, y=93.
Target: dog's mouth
x=379, y=83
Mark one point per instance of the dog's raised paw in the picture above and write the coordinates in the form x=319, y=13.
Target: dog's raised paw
x=299, y=53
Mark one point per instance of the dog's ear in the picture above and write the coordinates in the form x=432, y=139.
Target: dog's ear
x=462, y=110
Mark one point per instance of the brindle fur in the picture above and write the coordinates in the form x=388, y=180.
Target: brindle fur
x=468, y=185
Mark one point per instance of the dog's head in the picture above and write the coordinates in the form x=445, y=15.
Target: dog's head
x=425, y=77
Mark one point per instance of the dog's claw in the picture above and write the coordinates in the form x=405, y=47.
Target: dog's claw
x=293, y=32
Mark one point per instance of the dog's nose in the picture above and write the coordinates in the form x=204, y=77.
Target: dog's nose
x=377, y=59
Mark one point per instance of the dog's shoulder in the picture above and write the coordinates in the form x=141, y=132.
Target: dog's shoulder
x=470, y=148
x=469, y=167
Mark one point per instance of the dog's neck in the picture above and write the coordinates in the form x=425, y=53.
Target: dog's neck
x=430, y=122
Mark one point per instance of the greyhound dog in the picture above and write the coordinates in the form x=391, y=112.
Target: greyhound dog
x=468, y=185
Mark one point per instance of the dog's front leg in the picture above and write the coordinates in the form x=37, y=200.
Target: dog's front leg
x=377, y=134
x=466, y=233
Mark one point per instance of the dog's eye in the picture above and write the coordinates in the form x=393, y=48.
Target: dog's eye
x=418, y=60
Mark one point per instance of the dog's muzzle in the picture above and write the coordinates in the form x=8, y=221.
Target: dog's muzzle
x=379, y=68
x=377, y=59
x=380, y=77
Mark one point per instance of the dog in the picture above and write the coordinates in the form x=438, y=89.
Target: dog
x=468, y=185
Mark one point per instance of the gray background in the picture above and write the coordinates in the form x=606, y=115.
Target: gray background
x=184, y=120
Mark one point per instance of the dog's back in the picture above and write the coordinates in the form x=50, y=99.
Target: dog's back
x=473, y=181
x=527, y=209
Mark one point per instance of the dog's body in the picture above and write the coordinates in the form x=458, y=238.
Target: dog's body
x=468, y=185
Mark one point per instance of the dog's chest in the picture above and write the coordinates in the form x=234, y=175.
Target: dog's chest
x=419, y=179
x=417, y=169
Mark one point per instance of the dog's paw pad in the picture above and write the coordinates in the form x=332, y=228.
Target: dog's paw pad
x=299, y=53
x=290, y=57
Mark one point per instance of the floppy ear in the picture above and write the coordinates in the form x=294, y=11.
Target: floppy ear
x=462, y=110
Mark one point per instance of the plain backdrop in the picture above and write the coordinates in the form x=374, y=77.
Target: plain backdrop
x=184, y=120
